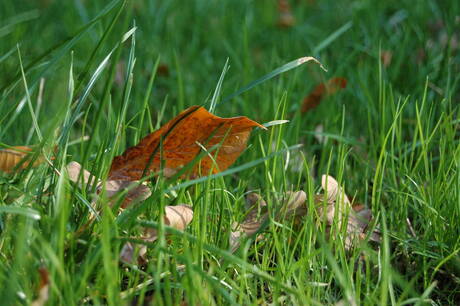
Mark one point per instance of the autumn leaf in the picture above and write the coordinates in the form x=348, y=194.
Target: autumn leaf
x=256, y=215
x=43, y=288
x=16, y=157
x=112, y=188
x=178, y=217
x=183, y=138
x=285, y=19
x=332, y=207
x=292, y=204
x=386, y=57
x=339, y=206
x=322, y=90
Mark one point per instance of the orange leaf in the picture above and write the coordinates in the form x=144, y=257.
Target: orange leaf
x=322, y=90
x=12, y=157
x=183, y=137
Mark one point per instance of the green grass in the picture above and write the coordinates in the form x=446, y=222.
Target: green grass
x=78, y=88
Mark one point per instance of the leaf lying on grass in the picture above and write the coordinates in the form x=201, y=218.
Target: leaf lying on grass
x=285, y=19
x=43, y=288
x=293, y=204
x=322, y=90
x=16, y=158
x=178, y=217
x=333, y=206
x=111, y=188
x=179, y=141
x=256, y=215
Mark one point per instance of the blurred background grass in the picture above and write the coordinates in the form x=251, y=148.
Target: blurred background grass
x=389, y=51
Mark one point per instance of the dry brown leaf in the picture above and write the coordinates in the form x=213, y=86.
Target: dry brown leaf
x=286, y=18
x=43, y=288
x=322, y=90
x=292, y=204
x=178, y=217
x=255, y=217
x=136, y=192
x=163, y=70
x=183, y=138
x=386, y=57
x=357, y=221
x=333, y=190
x=14, y=156
x=74, y=169
x=334, y=206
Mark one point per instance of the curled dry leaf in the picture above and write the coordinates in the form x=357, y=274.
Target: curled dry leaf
x=182, y=139
x=136, y=192
x=178, y=217
x=286, y=18
x=15, y=157
x=256, y=215
x=75, y=170
x=386, y=57
x=43, y=288
x=293, y=203
x=322, y=90
x=163, y=70
x=339, y=206
x=332, y=207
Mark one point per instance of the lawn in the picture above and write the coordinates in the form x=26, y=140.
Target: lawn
x=82, y=81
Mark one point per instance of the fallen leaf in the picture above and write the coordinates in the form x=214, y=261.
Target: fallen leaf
x=386, y=57
x=319, y=134
x=322, y=90
x=286, y=18
x=16, y=158
x=74, y=171
x=163, y=70
x=339, y=206
x=334, y=192
x=182, y=139
x=43, y=288
x=178, y=217
x=292, y=204
x=136, y=192
x=331, y=207
x=256, y=215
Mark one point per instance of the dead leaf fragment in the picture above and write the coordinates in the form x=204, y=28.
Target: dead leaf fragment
x=136, y=192
x=339, y=206
x=256, y=215
x=292, y=204
x=322, y=90
x=182, y=139
x=333, y=207
x=163, y=70
x=43, y=288
x=286, y=18
x=386, y=57
x=74, y=171
x=178, y=217
x=13, y=157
